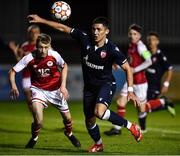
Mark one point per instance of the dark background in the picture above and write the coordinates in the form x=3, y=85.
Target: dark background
x=162, y=16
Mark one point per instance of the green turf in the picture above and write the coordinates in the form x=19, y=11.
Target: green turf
x=163, y=135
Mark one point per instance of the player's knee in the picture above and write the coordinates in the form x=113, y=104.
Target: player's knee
x=67, y=118
x=99, y=113
x=38, y=121
x=118, y=101
x=122, y=101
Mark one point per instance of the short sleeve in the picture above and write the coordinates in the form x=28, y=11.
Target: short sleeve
x=142, y=50
x=59, y=60
x=119, y=57
x=23, y=63
x=82, y=37
x=166, y=64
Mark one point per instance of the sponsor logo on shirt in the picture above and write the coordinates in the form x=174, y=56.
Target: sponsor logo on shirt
x=91, y=65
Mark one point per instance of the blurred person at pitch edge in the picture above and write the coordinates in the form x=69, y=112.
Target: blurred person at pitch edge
x=25, y=48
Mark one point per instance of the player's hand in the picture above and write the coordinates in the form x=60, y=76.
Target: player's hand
x=134, y=98
x=13, y=46
x=34, y=19
x=14, y=93
x=164, y=90
x=64, y=92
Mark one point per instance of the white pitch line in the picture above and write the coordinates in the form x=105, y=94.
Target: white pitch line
x=163, y=130
x=149, y=128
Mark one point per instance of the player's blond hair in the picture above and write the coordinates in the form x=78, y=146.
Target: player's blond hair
x=43, y=38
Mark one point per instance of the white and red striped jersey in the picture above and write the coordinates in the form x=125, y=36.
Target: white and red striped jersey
x=135, y=53
x=45, y=72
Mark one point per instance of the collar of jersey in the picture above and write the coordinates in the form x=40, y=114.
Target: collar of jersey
x=106, y=41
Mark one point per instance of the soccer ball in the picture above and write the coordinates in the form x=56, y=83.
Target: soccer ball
x=61, y=10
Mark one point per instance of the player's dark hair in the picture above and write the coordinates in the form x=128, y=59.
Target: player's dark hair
x=43, y=38
x=153, y=33
x=135, y=27
x=101, y=20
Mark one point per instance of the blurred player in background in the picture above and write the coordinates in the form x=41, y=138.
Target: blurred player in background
x=155, y=73
x=97, y=56
x=27, y=47
x=48, y=85
x=160, y=67
x=140, y=60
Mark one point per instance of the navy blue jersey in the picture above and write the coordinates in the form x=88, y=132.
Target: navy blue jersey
x=156, y=71
x=97, y=62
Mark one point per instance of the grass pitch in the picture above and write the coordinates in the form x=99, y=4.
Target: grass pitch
x=163, y=137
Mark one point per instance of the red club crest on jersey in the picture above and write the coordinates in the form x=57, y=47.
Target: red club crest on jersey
x=35, y=66
x=103, y=54
x=49, y=63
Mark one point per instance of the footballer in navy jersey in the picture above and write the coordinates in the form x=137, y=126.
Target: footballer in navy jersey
x=155, y=72
x=156, y=86
x=97, y=62
x=98, y=55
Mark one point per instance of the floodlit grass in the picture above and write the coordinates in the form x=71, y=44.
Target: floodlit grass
x=163, y=135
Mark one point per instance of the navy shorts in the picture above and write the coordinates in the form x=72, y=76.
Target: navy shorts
x=93, y=95
x=152, y=94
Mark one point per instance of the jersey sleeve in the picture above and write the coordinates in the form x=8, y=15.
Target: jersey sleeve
x=23, y=63
x=59, y=60
x=166, y=64
x=143, y=51
x=119, y=57
x=81, y=37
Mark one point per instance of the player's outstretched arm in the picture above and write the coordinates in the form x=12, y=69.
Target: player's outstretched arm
x=129, y=76
x=143, y=66
x=14, y=93
x=55, y=25
x=16, y=49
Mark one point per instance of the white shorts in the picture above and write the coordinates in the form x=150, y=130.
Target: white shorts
x=26, y=83
x=45, y=97
x=140, y=90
